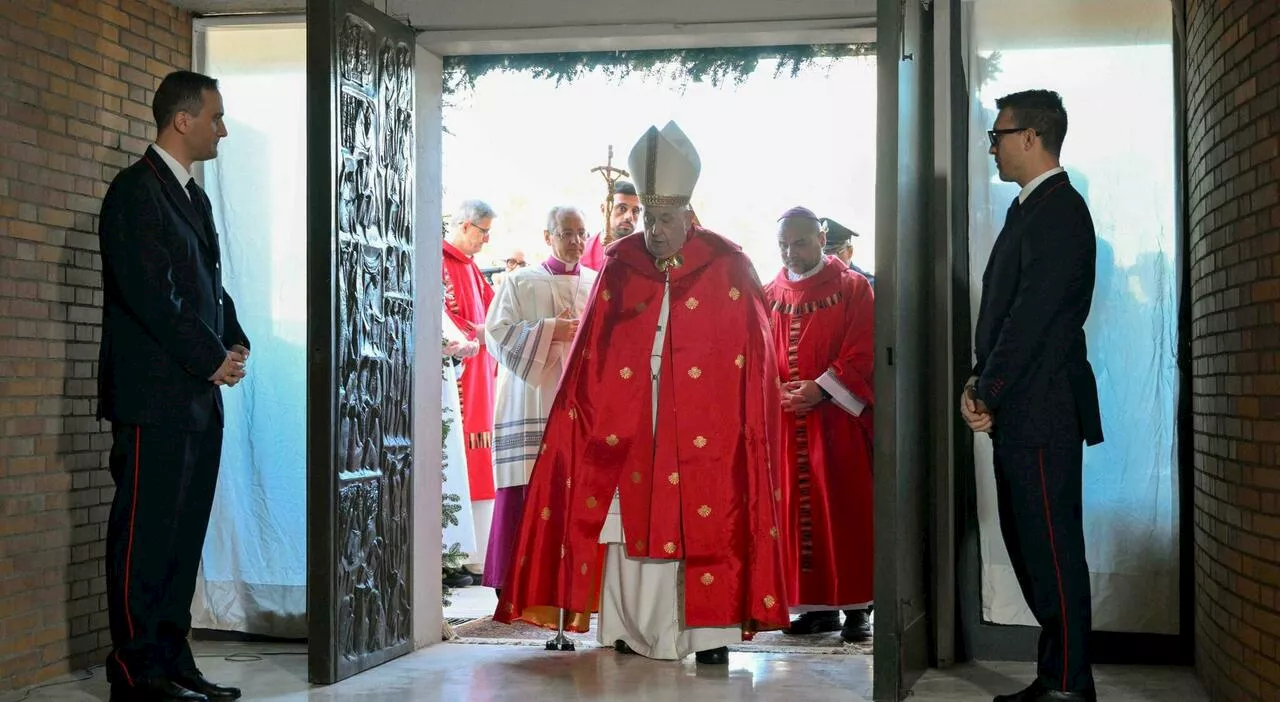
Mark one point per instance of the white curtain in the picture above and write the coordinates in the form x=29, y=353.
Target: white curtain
x=253, y=576
x=1112, y=62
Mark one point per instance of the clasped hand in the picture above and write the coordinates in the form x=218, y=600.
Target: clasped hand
x=974, y=412
x=233, y=369
x=566, y=326
x=800, y=396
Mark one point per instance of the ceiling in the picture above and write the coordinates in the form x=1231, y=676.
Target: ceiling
x=450, y=27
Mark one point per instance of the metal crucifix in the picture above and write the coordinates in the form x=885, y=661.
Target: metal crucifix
x=611, y=176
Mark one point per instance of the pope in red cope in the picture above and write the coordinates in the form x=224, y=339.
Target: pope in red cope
x=654, y=499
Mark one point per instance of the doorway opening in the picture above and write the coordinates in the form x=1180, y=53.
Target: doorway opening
x=768, y=141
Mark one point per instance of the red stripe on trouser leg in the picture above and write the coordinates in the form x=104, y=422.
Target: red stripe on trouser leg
x=1053, y=547
x=127, y=677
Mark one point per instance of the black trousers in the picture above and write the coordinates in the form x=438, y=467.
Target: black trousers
x=1039, y=497
x=165, y=481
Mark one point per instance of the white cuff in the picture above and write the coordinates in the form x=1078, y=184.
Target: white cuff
x=840, y=395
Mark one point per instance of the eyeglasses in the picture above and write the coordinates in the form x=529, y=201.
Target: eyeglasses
x=571, y=236
x=515, y=262
x=483, y=230
x=995, y=134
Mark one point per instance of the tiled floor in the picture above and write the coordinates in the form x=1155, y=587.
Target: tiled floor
x=480, y=673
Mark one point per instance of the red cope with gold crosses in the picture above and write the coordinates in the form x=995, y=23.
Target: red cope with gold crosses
x=702, y=490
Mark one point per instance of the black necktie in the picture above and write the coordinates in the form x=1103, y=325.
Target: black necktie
x=198, y=202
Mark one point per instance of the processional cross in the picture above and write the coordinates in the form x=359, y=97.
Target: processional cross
x=611, y=176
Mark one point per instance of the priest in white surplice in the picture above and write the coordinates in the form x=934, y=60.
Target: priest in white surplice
x=653, y=495
x=530, y=326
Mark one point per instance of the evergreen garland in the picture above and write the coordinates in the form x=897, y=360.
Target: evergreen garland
x=682, y=66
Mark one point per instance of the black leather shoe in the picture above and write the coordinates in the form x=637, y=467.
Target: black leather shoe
x=153, y=690
x=1060, y=696
x=197, y=682
x=715, y=656
x=815, y=623
x=457, y=580
x=1024, y=695
x=621, y=647
x=857, y=626
x=1037, y=692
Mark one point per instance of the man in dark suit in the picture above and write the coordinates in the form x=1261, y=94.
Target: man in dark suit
x=1033, y=389
x=170, y=342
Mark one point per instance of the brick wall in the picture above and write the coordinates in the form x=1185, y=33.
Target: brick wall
x=76, y=81
x=1233, y=173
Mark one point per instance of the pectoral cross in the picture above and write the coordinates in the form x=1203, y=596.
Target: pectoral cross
x=611, y=176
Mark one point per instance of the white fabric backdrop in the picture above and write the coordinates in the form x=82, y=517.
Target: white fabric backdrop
x=1112, y=63
x=253, y=576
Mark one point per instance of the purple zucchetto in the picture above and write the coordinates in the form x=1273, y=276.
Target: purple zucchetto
x=799, y=213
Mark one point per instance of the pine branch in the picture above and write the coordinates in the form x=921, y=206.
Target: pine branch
x=716, y=66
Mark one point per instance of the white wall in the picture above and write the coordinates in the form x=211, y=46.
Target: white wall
x=427, y=611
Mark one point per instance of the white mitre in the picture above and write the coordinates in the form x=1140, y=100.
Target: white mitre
x=664, y=167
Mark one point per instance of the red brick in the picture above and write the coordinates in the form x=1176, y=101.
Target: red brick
x=67, y=109
x=1232, y=67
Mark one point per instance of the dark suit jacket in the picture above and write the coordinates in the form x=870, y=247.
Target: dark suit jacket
x=166, y=321
x=1033, y=369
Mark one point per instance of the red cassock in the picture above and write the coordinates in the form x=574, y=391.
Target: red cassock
x=701, y=490
x=466, y=300
x=820, y=324
x=593, y=252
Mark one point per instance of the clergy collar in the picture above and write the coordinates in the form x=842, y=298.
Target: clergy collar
x=797, y=277
x=555, y=266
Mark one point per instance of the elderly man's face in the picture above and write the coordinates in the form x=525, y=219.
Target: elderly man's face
x=472, y=236
x=515, y=260
x=800, y=242
x=569, y=238
x=666, y=229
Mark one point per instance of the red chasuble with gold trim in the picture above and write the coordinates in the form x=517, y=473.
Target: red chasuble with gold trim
x=466, y=300
x=826, y=323
x=701, y=488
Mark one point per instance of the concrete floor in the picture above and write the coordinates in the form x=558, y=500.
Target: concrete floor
x=480, y=673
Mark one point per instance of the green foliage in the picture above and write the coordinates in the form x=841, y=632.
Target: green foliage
x=681, y=66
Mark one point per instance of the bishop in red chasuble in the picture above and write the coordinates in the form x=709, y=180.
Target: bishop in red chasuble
x=823, y=320
x=654, y=496
x=466, y=301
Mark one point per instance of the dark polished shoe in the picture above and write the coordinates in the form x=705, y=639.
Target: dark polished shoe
x=457, y=580
x=153, y=690
x=857, y=626
x=1060, y=696
x=715, y=656
x=1037, y=692
x=815, y=623
x=1026, y=694
x=621, y=647
x=197, y=682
